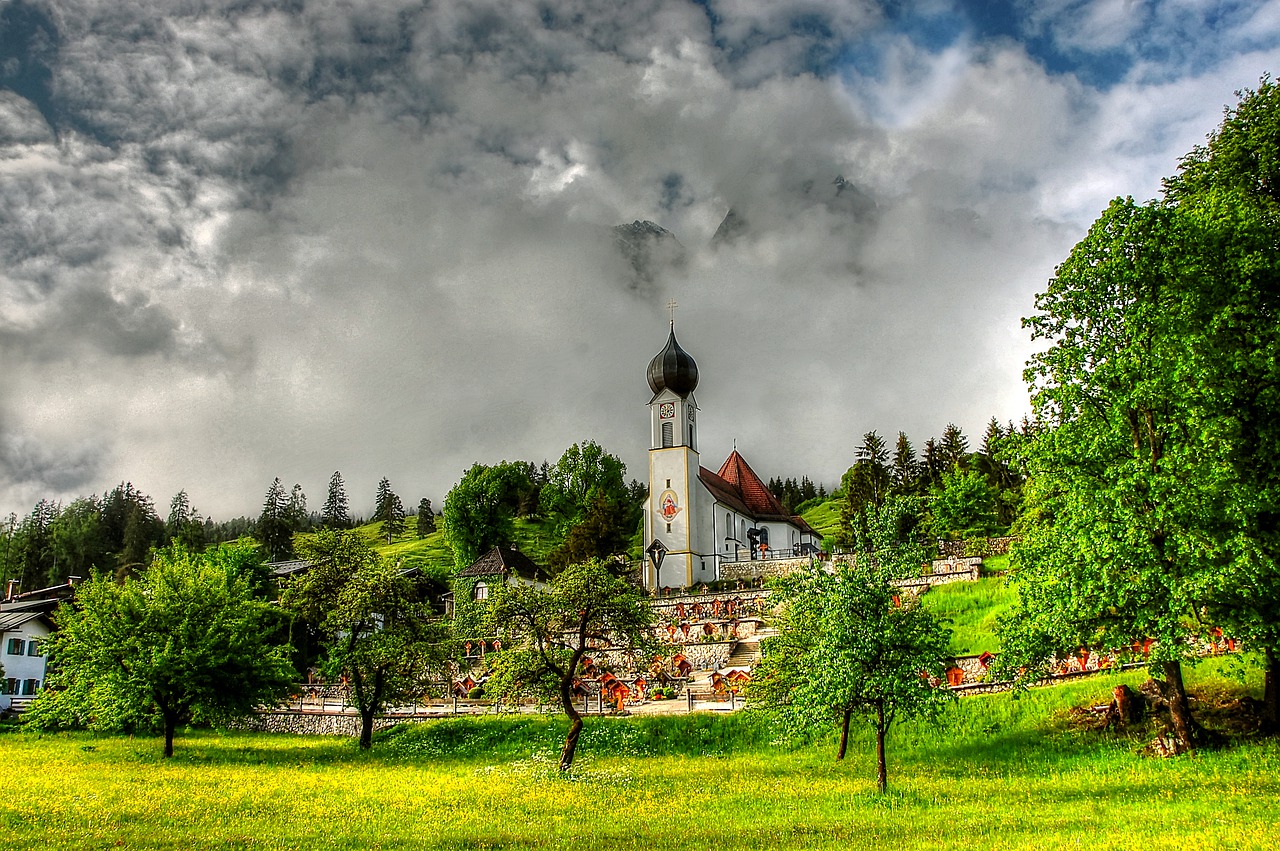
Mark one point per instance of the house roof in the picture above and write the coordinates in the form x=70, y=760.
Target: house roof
x=12, y=620
x=738, y=487
x=45, y=605
x=505, y=561
x=288, y=568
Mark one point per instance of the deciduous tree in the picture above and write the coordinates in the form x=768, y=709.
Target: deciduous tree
x=184, y=641
x=1227, y=196
x=478, y=511
x=546, y=633
x=1120, y=471
x=850, y=644
x=377, y=633
x=583, y=473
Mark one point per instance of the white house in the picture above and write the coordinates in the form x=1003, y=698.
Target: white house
x=695, y=520
x=23, y=629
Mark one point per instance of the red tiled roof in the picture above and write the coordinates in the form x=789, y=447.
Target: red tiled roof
x=738, y=487
x=723, y=491
x=760, y=503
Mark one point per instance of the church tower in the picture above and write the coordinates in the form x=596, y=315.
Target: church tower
x=670, y=513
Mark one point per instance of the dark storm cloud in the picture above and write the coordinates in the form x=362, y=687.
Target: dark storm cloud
x=242, y=240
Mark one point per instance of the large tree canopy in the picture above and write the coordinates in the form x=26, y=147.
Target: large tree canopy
x=1118, y=467
x=584, y=474
x=1154, y=471
x=478, y=511
x=184, y=641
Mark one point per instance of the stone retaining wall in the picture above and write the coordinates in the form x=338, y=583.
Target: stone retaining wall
x=982, y=546
x=762, y=569
x=313, y=723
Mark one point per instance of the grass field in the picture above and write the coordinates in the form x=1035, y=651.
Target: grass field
x=973, y=609
x=998, y=773
x=534, y=537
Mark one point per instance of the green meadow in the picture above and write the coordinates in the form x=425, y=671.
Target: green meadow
x=998, y=772
x=973, y=610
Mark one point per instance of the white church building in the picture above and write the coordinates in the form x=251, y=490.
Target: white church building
x=696, y=520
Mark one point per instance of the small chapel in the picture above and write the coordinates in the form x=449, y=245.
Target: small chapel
x=696, y=520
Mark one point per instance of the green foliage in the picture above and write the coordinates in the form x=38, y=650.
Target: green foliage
x=425, y=522
x=113, y=532
x=584, y=475
x=845, y=647
x=478, y=511
x=1227, y=197
x=965, y=506
x=887, y=538
x=378, y=634
x=1155, y=484
x=1116, y=471
x=605, y=530
x=185, y=526
x=185, y=641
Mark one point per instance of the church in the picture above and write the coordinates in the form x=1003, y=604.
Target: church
x=696, y=520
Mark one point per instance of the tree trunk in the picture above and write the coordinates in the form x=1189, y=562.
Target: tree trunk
x=366, y=727
x=882, y=771
x=575, y=721
x=170, y=724
x=369, y=706
x=1271, y=693
x=1186, y=732
x=844, y=733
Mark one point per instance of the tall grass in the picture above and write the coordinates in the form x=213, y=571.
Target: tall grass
x=973, y=609
x=998, y=772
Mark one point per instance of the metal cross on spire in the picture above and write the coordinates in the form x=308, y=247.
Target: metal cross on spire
x=671, y=305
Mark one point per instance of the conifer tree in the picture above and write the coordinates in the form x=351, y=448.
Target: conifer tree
x=273, y=530
x=954, y=447
x=336, y=514
x=426, y=518
x=389, y=510
x=299, y=519
x=906, y=469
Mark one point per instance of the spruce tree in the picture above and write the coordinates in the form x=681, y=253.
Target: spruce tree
x=906, y=469
x=273, y=531
x=299, y=518
x=389, y=510
x=426, y=519
x=336, y=514
x=954, y=447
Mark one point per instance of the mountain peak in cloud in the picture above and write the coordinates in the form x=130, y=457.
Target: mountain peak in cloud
x=649, y=249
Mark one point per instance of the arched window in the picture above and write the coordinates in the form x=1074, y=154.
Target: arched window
x=480, y=591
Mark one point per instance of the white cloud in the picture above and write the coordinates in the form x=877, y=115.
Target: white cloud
x=373, y=237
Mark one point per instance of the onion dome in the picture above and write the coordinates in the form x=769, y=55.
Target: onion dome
x=673, y=369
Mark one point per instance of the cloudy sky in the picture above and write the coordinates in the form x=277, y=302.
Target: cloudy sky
x=243, y=239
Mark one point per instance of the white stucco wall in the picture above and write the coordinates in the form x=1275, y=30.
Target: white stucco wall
x=24, y=667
